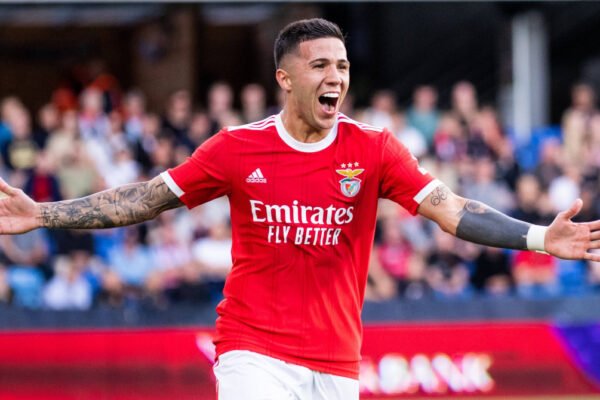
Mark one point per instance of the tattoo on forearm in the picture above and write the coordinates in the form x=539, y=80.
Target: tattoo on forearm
x=482, y=224
x=440, y=194
x=124, y=205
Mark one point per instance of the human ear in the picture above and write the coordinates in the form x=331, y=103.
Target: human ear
x=283, y=79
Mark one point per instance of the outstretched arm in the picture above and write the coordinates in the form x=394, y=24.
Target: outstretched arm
x=124, y=205
x=476, y=222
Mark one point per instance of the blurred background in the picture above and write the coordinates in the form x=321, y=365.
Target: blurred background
x=497, y=99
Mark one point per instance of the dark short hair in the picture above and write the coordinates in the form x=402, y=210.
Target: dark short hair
x=300, y=31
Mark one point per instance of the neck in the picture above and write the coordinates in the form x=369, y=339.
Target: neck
x=300, y=130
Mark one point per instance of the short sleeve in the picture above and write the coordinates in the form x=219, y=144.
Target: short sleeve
x=204, y=175
x=402, y=179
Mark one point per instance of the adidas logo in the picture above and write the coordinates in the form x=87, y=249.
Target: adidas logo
x=256, y=177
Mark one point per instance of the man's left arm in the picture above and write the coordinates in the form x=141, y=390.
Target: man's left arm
x=476, y=222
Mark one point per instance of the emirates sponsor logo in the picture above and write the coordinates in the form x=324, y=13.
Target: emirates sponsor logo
x=288, y=223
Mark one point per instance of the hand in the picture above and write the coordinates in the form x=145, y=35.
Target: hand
x=569, y=240
x=18, y=212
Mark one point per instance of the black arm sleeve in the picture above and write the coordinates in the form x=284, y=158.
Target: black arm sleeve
x=482, y=224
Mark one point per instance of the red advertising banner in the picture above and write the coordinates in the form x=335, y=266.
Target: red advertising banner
x=399, y=361
x=500, y=359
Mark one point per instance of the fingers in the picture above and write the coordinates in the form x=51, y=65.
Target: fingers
x=593, y=225
x=573, y=210
x=592, y=257
x=594, y=235
x=594, y=244
x=6, y=188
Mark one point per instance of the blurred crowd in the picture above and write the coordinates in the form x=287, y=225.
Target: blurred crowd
x=87, y=140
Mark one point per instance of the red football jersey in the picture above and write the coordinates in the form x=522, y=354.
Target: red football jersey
x=303, y=219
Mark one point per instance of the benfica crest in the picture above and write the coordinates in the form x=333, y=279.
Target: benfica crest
x=350, y=185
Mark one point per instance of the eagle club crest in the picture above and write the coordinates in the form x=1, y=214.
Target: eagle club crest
x=350, y=184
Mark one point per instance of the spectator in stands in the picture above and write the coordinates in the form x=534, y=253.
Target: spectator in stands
x=26, y=257
x=163, y=155
x=492, y=274
x=423, y=114
x=68, y=289
x=487, y=124
x=199, y=129
x=173, y=257
x=591, y=152
x=145, y=145
x=486, y=188
x=21, y=150
x=213, y=255
x=130, y=264
x=93, y=121
x=8, y=107
x=447, y=273
x=5, y=292
x=220, y=106
x=532, y=204
x=383, y=106
x=593, y=277
x=381, y=286
x=449, y=142
x=48, y=120
x=176, y=120
x=78, y=175
x=400, y=261
x=41, y=183
x=134, y=110
x=550, y=163
x=101, y=79
x=59, y=145
x=254, y=103
x=565, y=187
x=536, y=274
x=408, y=135
x=465, y=104
x=576, y=122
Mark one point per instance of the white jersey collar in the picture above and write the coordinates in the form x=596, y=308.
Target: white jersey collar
x=301, y=146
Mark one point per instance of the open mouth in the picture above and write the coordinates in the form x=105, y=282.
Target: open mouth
x=329, y=101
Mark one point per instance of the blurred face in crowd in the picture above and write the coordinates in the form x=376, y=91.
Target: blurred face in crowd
x=450, y=126
x=583, y=97
x=425, y=98
x=9, y=108
x=69, y=122
x=385, y=101
x=49, y=117
x=220, y=98
x=91, y=101
x=315, y=78
x=528, y=190
x=485, y=170
x=20, y=124
x=464, y=98
x=199, y=127
x=135, y=104
x=253, y=96
x=151, y=125
x=180, y=106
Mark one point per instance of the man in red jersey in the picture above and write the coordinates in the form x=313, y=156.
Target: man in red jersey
x=303, y=188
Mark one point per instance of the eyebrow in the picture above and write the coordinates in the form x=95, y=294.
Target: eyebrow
x=326, y=60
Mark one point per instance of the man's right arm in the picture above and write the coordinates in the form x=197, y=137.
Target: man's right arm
x=124, y=205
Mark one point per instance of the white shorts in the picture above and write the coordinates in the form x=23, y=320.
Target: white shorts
x=247, y=375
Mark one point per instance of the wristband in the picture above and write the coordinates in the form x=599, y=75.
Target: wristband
x=535, y=237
